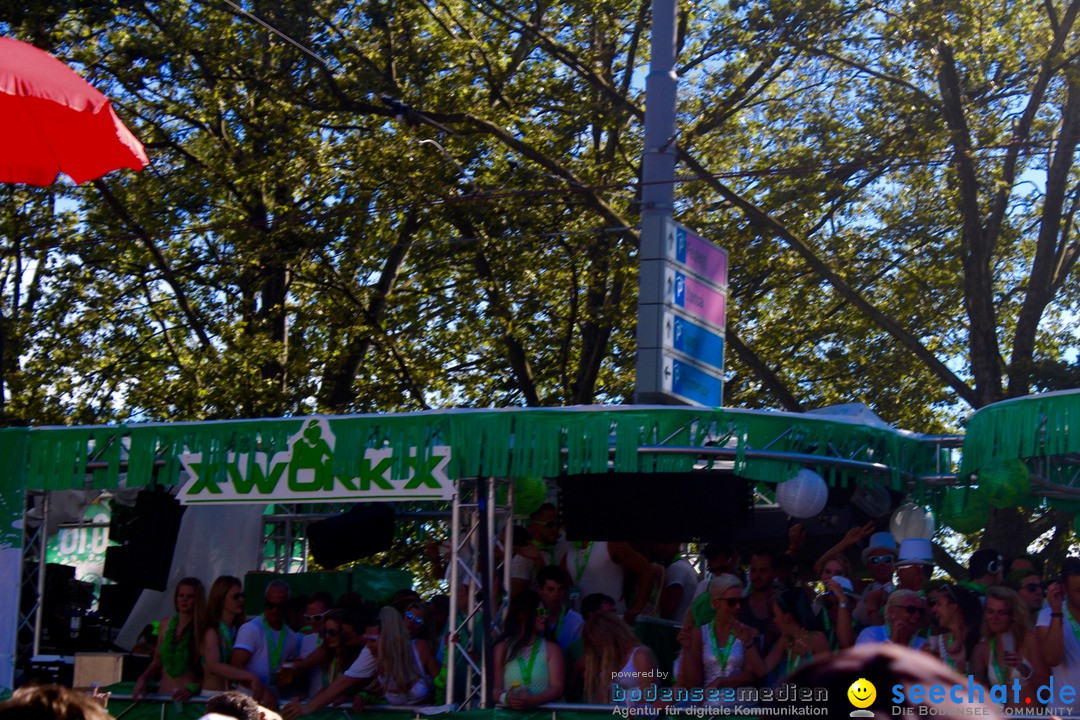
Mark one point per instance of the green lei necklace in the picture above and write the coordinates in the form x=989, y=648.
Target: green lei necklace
x=176, y=652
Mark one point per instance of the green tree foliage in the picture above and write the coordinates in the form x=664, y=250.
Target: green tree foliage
x=397, y=205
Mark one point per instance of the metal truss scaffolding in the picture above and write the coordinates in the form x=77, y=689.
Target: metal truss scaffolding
x=479, y=555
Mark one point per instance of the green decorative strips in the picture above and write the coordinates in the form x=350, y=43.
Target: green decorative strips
x=510, y=442
x=1037, y=426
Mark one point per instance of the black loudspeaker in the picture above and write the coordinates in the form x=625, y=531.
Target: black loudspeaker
x=364, y=530
x=116, y=602
x=656, y=507
x=144, y=560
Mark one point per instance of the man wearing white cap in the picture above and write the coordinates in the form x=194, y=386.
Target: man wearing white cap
x=879, y=558
x=914, y=563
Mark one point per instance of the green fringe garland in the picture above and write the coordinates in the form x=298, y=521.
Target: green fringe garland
x=512, y=442
x=1041, y=427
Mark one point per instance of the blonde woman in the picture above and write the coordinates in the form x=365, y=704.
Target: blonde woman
x=400, y=668
x=1009, y=650
x=721, y=653
x=614, y=656
x=224, y=616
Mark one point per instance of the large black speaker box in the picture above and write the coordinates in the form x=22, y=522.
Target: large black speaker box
x=116, y=602
x=364, y=530
x=145, y=559
x=656, y=507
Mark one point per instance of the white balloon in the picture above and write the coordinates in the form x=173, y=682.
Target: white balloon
x=911, y=521
x=804, y=495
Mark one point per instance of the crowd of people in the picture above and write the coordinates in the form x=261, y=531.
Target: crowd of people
x=329, y=651
x=565, y=631
x=753, y=622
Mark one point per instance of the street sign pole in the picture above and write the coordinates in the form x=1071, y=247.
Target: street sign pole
x=657, y=191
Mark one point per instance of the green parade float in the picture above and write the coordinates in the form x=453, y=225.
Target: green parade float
x=1021, y=450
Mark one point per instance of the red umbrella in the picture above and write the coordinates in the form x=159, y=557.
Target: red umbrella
x=53, y=121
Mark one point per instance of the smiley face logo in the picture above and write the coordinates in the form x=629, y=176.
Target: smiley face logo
x=862, y=693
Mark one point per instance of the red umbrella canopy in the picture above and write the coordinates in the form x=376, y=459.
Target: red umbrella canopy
x=53, y=121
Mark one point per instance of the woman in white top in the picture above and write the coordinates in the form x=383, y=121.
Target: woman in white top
x=529, y=669
x=958, y=615
x=722, y=653
x=801, y=639
x=614, y=657
x=1010, y=650
x=400, y=668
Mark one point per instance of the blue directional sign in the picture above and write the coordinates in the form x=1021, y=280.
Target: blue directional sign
x=695, y=385
x=696, y=341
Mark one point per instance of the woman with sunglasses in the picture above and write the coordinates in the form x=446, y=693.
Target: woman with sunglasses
x=905, y=611
x=420, y=634
x=801, y=639
x=330, y=659
x=360, y=675
x=224, y=616
x=1010, y=650
x=722, y=653
x=529, y=669
x=957, y=613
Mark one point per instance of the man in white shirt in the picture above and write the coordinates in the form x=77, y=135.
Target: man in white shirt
x=546, y=547
x=1058, y=629
x=264, y=643
x=318, y=607
x=680, y=581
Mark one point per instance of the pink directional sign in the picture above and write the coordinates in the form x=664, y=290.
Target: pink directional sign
x=696, y=298
x=701, y=256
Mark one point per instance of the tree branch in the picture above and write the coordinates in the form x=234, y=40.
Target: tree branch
x=808, y=255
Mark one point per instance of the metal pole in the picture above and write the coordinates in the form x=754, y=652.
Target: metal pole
x=657, y=199
x=451, y=646
x=508, y=540
x=486, y=544
x=658, y=159
x=43, y=538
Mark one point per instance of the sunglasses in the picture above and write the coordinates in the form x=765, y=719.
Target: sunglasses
x=880, y=560
x=237, y=596
x=415, y=618
x=274, y=606
x=316, y=617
